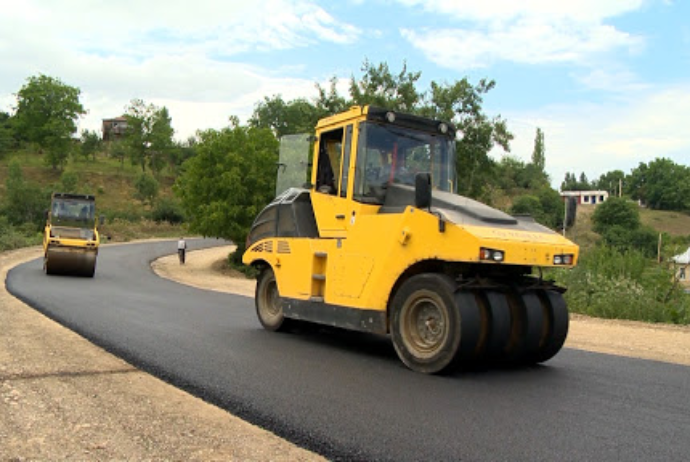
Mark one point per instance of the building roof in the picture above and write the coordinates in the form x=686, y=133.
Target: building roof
x=584, y=193
x=683, y=258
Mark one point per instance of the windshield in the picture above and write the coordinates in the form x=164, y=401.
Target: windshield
x=73, y=212
x=392, y=154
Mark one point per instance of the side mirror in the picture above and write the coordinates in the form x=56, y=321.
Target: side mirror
x=422, y=190
x=101, y=220
x=46, y=213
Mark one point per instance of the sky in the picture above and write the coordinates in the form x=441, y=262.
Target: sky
x=607, y=81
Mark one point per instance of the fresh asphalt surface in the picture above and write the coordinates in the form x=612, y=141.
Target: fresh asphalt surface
x=346, y=396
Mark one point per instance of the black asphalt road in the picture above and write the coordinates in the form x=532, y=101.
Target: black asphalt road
x=346, y=396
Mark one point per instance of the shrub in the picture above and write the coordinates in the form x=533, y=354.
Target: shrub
x=615, y=211
x=169, y=210
x=609, y=283
x=146, y=187
x=69, y=181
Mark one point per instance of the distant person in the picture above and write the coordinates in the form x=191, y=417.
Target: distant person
x=181, y=250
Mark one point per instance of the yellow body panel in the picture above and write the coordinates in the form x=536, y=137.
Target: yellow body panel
x=361, y=269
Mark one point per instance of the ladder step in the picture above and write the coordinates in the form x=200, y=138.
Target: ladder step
x=316, y=299
x=319, y=277
x=320, y=254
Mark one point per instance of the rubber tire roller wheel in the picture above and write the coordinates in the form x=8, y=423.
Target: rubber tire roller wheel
x=433, y=328
x=557, y=321
x=269, y=309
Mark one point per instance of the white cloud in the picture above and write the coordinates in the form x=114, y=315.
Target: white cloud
x=597, y=138
x=529, y=32
x=526, y=42
x=502, y=10
x=174, y=54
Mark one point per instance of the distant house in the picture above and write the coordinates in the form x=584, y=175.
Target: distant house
x=114, y=128
x=682, y=262
x=586, y=197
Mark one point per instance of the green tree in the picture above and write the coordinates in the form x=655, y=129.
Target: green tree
x=461, y=103
x=379, y=87
x=23, y=201
x=662, y=184
x=527, y=205
x=162, y=145
x=228, y=182
x=297, y=116
x=146, y=188
x=611, y=182
x=572, y=183
x=538, y=154
x=545, y=206
x=69, y=181
x=117, y=149
x=149, y=135
x=615, y=212
x=7, y=141
x=47, y=114
x=535, y=174
x=90, y=144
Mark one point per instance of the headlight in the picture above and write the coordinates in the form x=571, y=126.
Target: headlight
x=565, y=259
x=390, y=117
x=491, y=255
x=443, y=128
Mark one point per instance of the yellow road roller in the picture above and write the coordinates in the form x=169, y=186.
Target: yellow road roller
x=379, y=241
x=71, y=239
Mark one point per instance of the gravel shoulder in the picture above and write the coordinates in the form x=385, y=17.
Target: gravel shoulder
x=63, y=398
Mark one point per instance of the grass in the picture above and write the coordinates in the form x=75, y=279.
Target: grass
x=111, y=182
x=673, y=223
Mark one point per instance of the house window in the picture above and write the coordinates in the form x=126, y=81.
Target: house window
x=601, y=198
x=681, y=274
x=586, y=199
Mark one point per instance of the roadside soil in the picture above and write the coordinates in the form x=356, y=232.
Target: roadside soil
x=63, y=398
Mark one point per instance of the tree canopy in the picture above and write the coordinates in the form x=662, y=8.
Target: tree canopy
x=149, y=135
x=229, y=181
x=459, y=102
x=47, y=113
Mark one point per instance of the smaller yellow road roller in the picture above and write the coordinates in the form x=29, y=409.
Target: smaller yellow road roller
x=71, y=239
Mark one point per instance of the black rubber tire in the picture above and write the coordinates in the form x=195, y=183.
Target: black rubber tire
x=557, y=322
x=527, y=325
x=269, y=309
x=499, y=323
x=433, y=329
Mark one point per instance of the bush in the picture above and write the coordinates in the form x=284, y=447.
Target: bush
x=643, y=239
x=15, y=237
x=146, y=188
x=69, y=181
x=615, y=212
x=609, y=283
x=169, y=210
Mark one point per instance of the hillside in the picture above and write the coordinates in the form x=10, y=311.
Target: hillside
x=111, y=182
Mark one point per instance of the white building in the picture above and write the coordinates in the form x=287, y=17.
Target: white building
x=586, y=197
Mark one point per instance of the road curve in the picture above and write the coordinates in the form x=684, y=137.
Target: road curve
x=345, y=395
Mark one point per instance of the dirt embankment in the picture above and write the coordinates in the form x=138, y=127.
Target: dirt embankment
x=63, y=398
